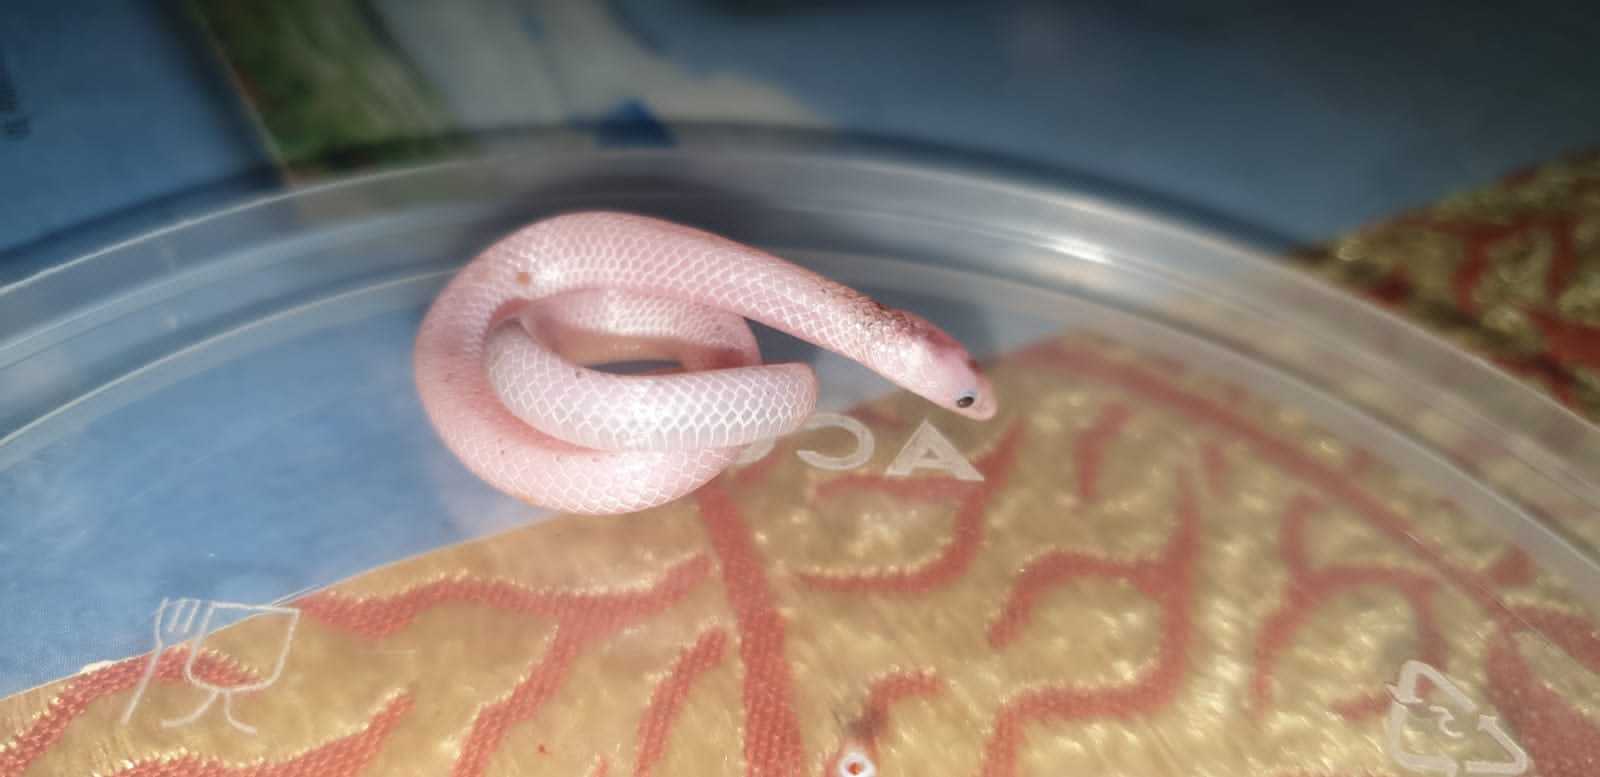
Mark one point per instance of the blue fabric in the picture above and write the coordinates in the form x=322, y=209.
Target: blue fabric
x=1304, y=122
x=130, y=127
x=1302, y=119
x=633, y=125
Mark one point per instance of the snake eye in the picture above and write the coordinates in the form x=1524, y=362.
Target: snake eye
x=965, y=400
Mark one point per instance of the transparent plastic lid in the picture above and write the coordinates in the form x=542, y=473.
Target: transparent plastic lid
x=1228, y=521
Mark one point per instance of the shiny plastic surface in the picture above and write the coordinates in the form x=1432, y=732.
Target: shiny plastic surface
x=223, y=409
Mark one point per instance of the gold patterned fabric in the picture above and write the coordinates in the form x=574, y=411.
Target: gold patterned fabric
x=1510, y=270
x=1155, y=574
x=1133, y=570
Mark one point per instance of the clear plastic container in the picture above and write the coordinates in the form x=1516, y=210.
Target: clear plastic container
x=222, y=412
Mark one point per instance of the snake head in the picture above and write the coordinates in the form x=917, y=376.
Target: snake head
x=977, y=399
x=931, y=364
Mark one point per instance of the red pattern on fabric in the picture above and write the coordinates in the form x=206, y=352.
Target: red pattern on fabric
x=346, y=756
x=1559, y=737
x=772, y=744
x=21, y=751
x=1282, y=454
x=1479, y=239
x=966, y=535
x=1560, y=740
x=867, y=732
x=1577, y=636
x=670, y=694
x=1513, y=567
x=581, y=618
x=1309, y=588
x=1168, y=579
x=1569, y=342
x=379, y=616
x=1473, y=584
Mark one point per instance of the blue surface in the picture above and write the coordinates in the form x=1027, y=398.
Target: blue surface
x=1301, y=119
x=301, y=465
x=130, y=128
x=291, y=464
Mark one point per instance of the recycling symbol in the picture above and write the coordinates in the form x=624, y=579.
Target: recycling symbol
x=1449, y=721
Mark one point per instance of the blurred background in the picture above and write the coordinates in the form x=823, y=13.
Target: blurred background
x=1299, y=119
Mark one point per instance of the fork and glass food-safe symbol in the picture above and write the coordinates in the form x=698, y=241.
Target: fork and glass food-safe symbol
x=1405, y=695
x=180, y=621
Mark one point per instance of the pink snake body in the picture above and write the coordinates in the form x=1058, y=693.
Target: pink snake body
x=503, y=359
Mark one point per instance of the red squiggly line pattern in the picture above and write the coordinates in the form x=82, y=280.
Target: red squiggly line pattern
x=344, y=757
x=581, y=617
x=887, y=691
x=966, y=535
x=1560, y=741
x=758, y=470
x=1309, y=588
x=493, y=723
x=1577, y=636
x=21, y=751
x=1568, y=342
x=1394, y=289
x=866, y=733
x=1574, y=635
x=1281, y=454
x=669, y=696
x=1550, y=728
x=376, y=617
x=1167, y=579
x=1513, y=567
x=1479, y=239
x=772, y=745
